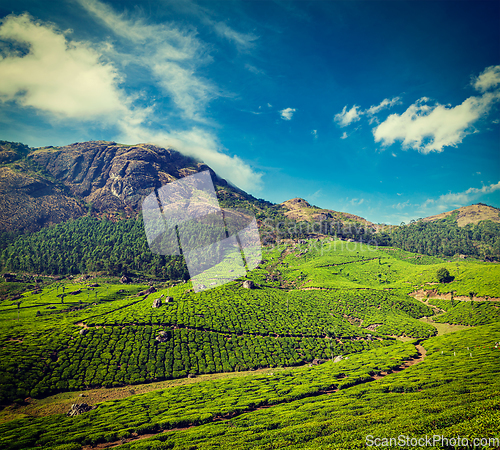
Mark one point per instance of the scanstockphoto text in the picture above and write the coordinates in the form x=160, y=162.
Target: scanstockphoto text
x=405, y=441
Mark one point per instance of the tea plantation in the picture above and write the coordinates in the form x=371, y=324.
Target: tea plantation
x=313, y=301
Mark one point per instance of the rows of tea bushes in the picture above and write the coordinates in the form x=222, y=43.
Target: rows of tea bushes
x=454, y=392
x=200, y=402
x=266, y=311
x=411, y=258
x=233, y=309
x=110, y=356
x=467, y=312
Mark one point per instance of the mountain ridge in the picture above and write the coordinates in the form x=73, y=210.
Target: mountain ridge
x=47, y=185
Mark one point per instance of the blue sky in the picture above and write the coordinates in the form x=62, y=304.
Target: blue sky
x=388, y=110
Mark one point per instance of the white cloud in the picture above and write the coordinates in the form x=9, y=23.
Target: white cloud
x=344, y=135
x=402, y=205
x=315, y=134
x=269, y=105
x=314, y=197
x=243, y=41
x=430, y=128
x=254, y=69
x=287, y=113
x=490, y=77
x=347, y=117
x=357, y=201
x=384, y=104
x=199, y=144
x=70, y=80
x=460, y=198
x=64, y=78
x=172, y=54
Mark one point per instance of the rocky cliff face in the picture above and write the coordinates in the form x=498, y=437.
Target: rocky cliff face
x=48, y=185
x=114, y=177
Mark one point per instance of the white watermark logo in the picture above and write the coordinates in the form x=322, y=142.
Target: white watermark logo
x=431, y=441
x=219, y=245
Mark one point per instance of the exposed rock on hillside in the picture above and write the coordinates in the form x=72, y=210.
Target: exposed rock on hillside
x=29, y=201
x=114, y=177
x=249, y=284
x=79, y=408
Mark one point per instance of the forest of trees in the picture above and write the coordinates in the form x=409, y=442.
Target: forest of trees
x=120, y=247
x=444, y=237
x=90, y=245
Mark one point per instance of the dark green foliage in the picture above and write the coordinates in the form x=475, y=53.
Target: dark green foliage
x=89, y=245
x=443, y=275
x=445, y=237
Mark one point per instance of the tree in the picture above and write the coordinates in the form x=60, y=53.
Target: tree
x=443, y=275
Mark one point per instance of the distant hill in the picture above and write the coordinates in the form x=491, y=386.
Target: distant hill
x=472, y=230
x=468, y=214
x=299, y=210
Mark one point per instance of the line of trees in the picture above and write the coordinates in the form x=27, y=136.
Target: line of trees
x=444, y=237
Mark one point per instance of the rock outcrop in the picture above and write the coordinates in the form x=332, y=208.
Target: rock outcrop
x=157, y=302
x=111, y=176
x=79, y=408
x=249, y=284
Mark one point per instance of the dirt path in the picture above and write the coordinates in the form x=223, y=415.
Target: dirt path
x=441, y=327
x=219, y=418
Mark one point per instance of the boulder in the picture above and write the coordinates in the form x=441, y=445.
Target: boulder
x=148, y=291
x=162, y=336
x=157, y=302
x=79, y=408
x=338, y=358
x=84, y=331
x=125, y=279
x=169, y=299
x=249, y=284
x=94, y=285
x=79, y=291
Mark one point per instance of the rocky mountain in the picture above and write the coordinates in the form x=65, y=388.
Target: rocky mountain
x=48, y=185
x=29, y=197
x=111, y=176
x=468, y=214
